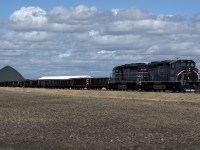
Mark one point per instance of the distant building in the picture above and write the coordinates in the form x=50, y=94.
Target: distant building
x=10, y=74
x=63, y=77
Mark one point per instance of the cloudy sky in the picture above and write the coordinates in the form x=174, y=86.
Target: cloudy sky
x=90, y=37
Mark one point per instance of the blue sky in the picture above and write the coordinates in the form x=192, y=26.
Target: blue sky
x=185, y=8
x=57, y=37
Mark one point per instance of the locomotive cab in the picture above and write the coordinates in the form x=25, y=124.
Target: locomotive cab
x=183, y=70
x=184, y=75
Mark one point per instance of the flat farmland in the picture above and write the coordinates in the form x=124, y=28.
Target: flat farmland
x=73, y=119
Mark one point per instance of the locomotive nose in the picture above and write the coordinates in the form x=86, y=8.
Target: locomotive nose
x=189, y=70
x=192, y=75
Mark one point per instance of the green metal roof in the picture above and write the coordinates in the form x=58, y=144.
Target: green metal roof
x=10, y=74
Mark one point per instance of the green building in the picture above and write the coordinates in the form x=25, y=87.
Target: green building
x=10, y=74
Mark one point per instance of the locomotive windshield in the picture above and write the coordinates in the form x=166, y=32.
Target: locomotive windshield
x=178, y=64
x=190, y=64
x=183, y=63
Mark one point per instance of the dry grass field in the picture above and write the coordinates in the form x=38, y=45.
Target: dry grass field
x=97, y=120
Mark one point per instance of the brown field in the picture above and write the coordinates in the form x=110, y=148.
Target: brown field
x=97, y=120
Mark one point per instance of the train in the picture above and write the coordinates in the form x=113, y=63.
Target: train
x=71, y=83
x=173, y=75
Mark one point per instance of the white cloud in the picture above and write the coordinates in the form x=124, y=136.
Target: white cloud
x=196, y=17
x=106, y=52
x=93, y=33
x=115, y=11
x=28, y=36
x=131, y=14
x=153, y=49
x=28, y=14
x=28, y=18
x=74, y=15
x=60, y=57
x=84, y=12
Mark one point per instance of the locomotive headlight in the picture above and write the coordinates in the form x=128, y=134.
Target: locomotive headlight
x=189, y=70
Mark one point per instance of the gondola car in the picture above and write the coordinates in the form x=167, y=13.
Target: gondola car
x=89, y=83
x=98, y=83
x=31, y=83
x=54, y=83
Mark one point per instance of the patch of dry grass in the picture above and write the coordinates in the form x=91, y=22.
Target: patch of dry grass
x=135, y=95
x=70, y=119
